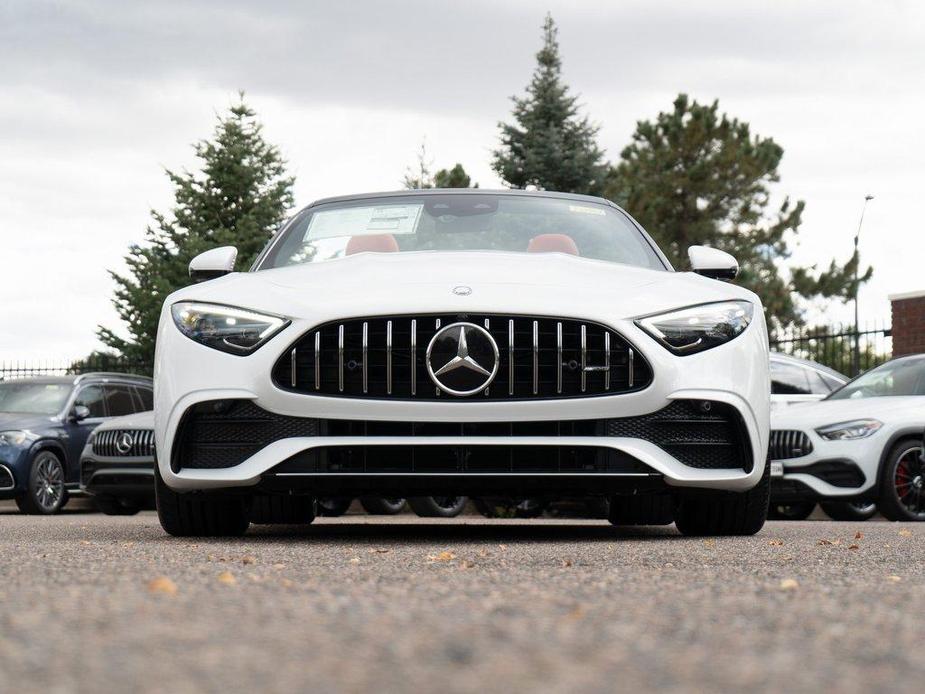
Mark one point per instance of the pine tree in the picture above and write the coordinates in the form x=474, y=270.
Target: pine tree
x=550, y=145
x=239, y=198
x=696, y=177
x=420, y=178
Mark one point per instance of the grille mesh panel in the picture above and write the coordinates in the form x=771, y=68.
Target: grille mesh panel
x=223, y=434
x=395, y=369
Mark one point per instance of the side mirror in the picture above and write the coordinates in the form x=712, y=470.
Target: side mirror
x=213, y=263
x=80, y=413
x=713, y=263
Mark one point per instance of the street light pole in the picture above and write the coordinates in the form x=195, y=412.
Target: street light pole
x=857, y=327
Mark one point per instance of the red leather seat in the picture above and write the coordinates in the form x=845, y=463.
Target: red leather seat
x=553, y=243
x=376, y=243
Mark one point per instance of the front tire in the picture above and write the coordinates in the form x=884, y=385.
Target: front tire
x=333, y=506
x=278, y=509
x=114, y=506
x=849, y=510
x=199, y=514
x=902, y=478
x=801, y=510
x=382, y=506
x=45, y=494
x=725, y=513
x=438, y=506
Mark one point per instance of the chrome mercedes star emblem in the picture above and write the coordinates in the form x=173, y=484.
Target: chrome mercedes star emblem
x=462, y=359
x=124, y=443
x=462, y=290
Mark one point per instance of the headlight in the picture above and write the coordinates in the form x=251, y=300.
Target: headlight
x=695, y=329
x=225, y=328
x=848, y=431
x=12, y=438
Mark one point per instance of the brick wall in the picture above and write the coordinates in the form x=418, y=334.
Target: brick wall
x=908, y=323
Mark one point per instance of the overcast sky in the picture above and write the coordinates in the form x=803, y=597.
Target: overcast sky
x=97, y=97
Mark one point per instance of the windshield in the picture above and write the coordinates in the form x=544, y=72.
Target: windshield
x=462, y=222
x=899, y=377
x=33, y=398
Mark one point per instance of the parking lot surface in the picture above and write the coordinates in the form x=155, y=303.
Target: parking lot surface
x=93, y=603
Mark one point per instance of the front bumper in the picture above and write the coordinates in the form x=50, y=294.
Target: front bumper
x=843, y=470
x=735, y=374
x=117, y=476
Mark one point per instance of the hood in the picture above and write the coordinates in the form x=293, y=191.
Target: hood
x=141, y=420
x=817, y=414
x=15, y=421
x=529, y=283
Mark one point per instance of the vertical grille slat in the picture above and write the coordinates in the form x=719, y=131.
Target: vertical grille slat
x=385, y=357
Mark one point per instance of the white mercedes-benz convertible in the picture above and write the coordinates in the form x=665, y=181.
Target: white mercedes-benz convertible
x=492, y=344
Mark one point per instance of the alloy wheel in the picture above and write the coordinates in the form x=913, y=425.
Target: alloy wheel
x=908, y=480
x=48, y=482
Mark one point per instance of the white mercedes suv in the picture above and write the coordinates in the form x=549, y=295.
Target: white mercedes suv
x=493, y=344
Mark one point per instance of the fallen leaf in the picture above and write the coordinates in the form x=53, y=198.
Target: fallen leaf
x=854, y=547
x=466, y=564
x=789, y=584
x=227, y=578
x=893, y=579
x=859, y=535
x=566, y=562
x=279, y=566
x=355, y=560
x=379, y=550
x=85, y=542
x=162, y=584
x=444, y=556
x=905, y=532
x=247, y=559
x=776, y=543
x=502, y=547
x=823, y=541
x=484, y=553
x=709, y=543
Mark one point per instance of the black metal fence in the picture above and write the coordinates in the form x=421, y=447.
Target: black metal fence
x=66, y=367
x=839, y=347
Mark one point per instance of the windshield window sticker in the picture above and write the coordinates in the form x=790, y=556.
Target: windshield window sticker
x=584, y=209
x=364, y=221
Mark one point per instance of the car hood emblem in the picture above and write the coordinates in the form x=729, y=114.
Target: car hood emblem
x=462, y=359
x=124, y=443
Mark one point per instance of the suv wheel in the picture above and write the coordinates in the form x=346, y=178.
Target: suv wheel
x=801, y=510
x=45, y=494
x=333, y=506
x=278, y=509
x=438, y=506
x=725, y=513
x=382, y=506
x=849, y=510
x=202, y=514
x=902, y=478
x=115, y=506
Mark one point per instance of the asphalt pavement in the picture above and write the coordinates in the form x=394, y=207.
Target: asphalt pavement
x=91, y=603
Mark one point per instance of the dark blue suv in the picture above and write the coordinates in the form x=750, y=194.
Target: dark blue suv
x=44, y=424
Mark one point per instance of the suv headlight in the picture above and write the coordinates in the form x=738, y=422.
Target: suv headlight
x=848, y=431
x=12, y=438
x=225, y=328
x=698, y=328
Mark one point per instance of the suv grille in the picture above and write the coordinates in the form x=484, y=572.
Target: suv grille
x=538, y=358
x=112, y=443
x=786, y=444
x=701, y=434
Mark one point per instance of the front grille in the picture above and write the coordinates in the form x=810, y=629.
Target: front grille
x=224, y=433
x=786, y=444
x=538, y=358
x=112, y=443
